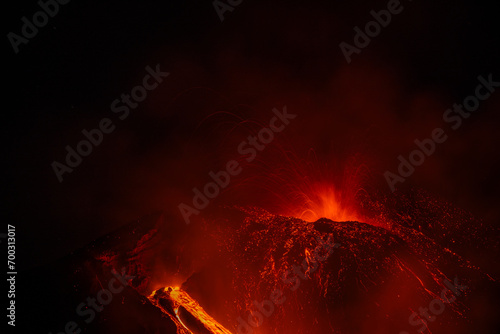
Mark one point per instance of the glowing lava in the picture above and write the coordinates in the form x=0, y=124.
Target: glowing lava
x=310, y=190
x=189, y=316
x=322, y=201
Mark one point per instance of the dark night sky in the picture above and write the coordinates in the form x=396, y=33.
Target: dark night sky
x=265, y=54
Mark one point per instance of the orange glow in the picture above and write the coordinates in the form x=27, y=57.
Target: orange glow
x=321, y=201
x=178, y=298
x=310, y=190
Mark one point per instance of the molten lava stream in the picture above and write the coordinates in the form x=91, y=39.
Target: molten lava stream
x=185, y=312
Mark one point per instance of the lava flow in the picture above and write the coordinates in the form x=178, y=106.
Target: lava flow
x=188, y=315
